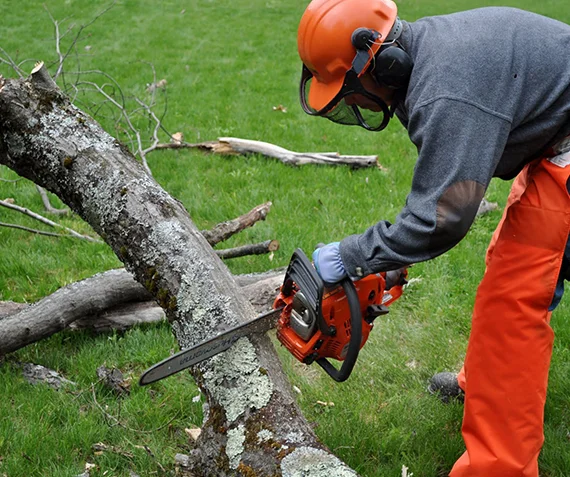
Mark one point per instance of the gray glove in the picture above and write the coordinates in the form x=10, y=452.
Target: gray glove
x=328, y=263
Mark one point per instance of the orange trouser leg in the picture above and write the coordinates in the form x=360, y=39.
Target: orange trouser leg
x=517, y=190
x=508, y=356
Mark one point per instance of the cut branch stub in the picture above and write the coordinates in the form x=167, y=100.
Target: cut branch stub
x=252, y=249
x=225, y=230
x=41, y=78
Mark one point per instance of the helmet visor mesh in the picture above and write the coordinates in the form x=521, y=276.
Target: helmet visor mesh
x=353, y=105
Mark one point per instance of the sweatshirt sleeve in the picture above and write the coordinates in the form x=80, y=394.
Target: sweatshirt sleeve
x=459, y=146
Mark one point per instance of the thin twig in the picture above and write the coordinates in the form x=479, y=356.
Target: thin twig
x=34, y=231
x=46, y=221
x=9, y=61
x=139, y=150
x=63, y=57
x=47, y=203
x=152, y=90
x=58, y=37
x=156, y=140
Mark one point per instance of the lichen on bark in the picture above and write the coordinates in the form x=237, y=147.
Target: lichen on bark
x=235, y=382
x=234, y=446
x=311, y=462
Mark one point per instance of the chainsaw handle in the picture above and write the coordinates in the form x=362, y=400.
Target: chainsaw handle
x=343, y=373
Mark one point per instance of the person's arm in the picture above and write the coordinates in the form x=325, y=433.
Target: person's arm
x=459, y=147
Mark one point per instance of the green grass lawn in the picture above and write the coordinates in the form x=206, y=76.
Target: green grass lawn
x=227, y=65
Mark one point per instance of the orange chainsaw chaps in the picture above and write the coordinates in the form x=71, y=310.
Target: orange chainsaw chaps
x=506, y=367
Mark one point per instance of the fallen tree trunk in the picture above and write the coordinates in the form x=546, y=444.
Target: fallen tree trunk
x=120, y=303
x=49, y=141
x=57, y=311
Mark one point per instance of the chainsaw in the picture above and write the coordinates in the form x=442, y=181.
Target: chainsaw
x=315, y=321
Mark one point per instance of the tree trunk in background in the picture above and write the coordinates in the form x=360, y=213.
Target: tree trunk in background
x=111, y=300
x=252, y=425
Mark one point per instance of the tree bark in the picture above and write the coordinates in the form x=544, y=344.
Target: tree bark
x=121, y=317
x=253, y=425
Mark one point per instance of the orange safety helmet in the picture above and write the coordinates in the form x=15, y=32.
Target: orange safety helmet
x=327, y=48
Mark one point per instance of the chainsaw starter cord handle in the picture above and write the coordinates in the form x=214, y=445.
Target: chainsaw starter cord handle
x=343, y=373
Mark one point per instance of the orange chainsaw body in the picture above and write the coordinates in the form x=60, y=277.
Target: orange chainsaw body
x=330, y=336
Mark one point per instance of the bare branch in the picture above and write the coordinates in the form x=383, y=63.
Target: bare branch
x=58, y=37
x=63, y=56
x=10, y=62
x=47, y=203
x=236, y=146
x=34, y=231
x=68, y=304
x=253, y=249
x=125, y=116
x=152, y=90
x=144, y=152
x=225, y=230
x=11, y=181
x=46, y=221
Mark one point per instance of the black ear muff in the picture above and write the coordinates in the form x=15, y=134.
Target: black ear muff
x=392, y=67
x=363, y=38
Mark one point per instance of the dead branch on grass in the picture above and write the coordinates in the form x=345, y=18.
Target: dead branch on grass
x=217, y=234
x=236, y=146
x=33, y=231
x=112, y=300
x=252, y=249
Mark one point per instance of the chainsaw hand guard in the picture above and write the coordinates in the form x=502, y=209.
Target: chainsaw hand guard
x=343, y=373
x=302, y=278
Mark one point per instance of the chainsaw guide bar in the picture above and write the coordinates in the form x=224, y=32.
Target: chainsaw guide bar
x=191, y=356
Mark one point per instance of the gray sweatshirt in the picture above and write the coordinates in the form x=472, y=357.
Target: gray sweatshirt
x=489, y=92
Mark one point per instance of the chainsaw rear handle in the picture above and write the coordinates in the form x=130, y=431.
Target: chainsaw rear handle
x=343, y=373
